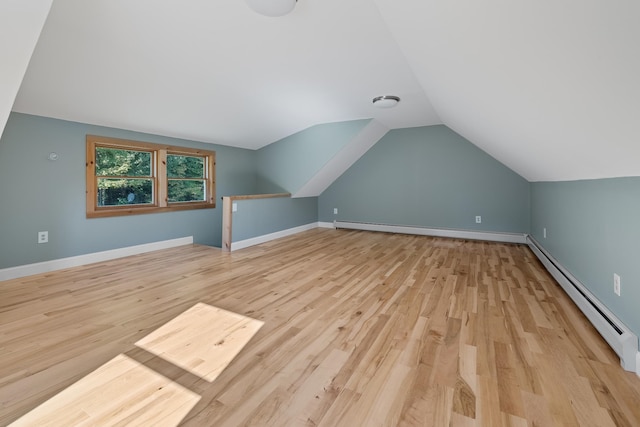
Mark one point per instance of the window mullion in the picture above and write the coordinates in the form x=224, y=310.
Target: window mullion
x=161, y=177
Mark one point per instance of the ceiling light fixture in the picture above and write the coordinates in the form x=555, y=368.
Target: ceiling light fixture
x=386, y=101
x=272, y=7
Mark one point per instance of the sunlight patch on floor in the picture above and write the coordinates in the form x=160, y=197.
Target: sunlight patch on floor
x=203, y=340
x=122, y=391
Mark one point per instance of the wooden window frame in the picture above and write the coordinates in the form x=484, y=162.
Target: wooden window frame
x=158, y=176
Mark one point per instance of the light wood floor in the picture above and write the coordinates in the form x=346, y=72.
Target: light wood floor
x=360, y=329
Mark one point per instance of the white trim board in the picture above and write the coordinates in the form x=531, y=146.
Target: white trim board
x=436, y=232
x=241, y=244
x=326, y=225
x=75, y=261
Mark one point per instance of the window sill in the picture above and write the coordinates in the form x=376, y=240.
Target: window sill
x=125, y=211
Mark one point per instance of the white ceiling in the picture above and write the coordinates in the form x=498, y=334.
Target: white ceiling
x=215, y=71
x=551, y=89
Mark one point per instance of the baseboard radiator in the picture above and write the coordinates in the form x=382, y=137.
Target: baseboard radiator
x=616, y=334
x=434, y=232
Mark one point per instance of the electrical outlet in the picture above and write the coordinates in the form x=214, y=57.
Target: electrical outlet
x=478, y=219
x=234, y=207
x=335, y=211
x=43, y=236
x=544, y=232
x=616, y=284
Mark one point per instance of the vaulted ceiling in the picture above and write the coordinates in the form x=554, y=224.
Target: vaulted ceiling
x=551, y=89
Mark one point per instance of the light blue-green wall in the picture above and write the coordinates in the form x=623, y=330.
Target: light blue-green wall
x=37, y=194
x=431, y=177
x=257, y=217
x=286, y=165
x=592, y=230
x=427, y=176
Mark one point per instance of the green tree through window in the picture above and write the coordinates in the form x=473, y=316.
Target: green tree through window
x=131, y=177
x=124, y=177
x=185, y=178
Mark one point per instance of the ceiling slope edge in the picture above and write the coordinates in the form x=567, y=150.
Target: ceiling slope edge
x=20, y=26
x=343, y=160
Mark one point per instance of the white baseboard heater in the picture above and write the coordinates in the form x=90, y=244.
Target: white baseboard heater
x=616, y=334
x=434, y=232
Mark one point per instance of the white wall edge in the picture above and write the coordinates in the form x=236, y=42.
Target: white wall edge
x=241, y=244
x=75, y=261
x=21, y=24
x=366, y=138
x=638, y=363
x=436, y=232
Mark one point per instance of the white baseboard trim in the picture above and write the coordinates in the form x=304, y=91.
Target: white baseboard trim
x=75, y=261
x=326, y=225
x=241, y=244
x=638, y=363
x=436, y=232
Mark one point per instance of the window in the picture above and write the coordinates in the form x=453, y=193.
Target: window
x=130, y=177
x=123, y=177
x=185, y=178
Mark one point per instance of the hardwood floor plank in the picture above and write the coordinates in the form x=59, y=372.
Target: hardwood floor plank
x=360, y=329
x=536, y=409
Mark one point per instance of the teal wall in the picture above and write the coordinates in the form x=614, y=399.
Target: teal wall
x=37, y=194
x=286, y=165
x=257, y=217
x=427, y=176
x=431, y=177
x=592, y=230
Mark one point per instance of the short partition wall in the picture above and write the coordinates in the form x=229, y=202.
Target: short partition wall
x=248, y=220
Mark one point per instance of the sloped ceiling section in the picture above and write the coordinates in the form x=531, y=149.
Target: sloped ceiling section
x=20, y=25
x=216, y=71
x=551, y=89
